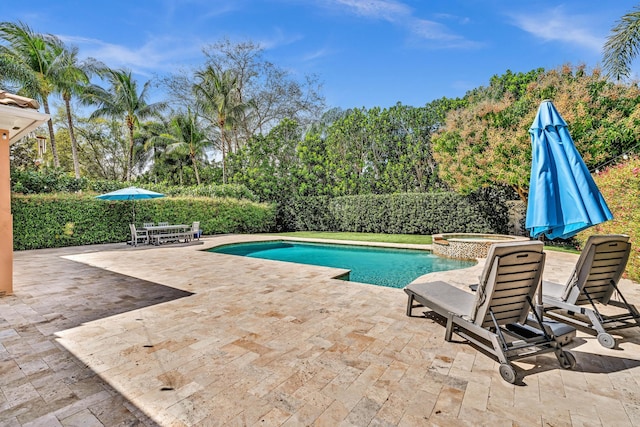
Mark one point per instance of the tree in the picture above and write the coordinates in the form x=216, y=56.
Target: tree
x=218, y=101
x=269, y=93
x=273, y=93
x=186, y=136
x=104, y=147
x=122, y=101
x=71, y=78
x=31, y=60
x=487, y=143
x=268, y=165
x=622, y=45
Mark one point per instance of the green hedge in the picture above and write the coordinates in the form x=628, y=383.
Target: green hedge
x=57, y=220
x=407, y=213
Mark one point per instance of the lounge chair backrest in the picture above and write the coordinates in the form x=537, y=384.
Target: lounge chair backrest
x=602, y=261
x=512, y=273
x=195, y=226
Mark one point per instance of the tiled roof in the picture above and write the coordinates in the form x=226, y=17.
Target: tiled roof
x=10, y=99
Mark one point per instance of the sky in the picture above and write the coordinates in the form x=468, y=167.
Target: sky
x=367, y=53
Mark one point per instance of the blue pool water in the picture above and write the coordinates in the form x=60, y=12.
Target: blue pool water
x=394, y=268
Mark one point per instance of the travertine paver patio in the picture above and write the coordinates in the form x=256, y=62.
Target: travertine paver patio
x=112, y=335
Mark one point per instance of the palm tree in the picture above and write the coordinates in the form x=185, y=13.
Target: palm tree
x=122, y=100
x=217, y=98
x=187, y=137
x=622, y=45
x=31, y=60
x=71, y=78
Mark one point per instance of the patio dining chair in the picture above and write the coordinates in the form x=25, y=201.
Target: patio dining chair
x=195, y=230
x=138, y=235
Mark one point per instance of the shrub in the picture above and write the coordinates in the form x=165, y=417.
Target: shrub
x=406, y=213
x=620, y=187
x=57, y=220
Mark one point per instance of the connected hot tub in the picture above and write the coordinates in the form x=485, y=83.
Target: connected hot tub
x=468, y=245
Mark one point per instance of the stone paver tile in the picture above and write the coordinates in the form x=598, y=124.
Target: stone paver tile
x=81, y=405
x=392, y=410
x=334, y=414
x=47, y=420
x=474, y=417
x=86, y=387
x=111, y=412
x=83, y=418
x=10, y=372
x=11, y=422
x=463, y=362
x=580, y=419
x=364, y=411
x=55, y=390
x=611, y=412
x=633, y=412
x=18, y=393
x=275, y=417
x=421, y=405
x=305, y=416
x=476, y=396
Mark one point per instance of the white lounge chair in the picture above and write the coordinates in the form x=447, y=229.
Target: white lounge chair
x=593, y=283
x=500, y=317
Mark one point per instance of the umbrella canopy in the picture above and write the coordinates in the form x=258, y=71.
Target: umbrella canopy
x=563, y=198
x=130, y=193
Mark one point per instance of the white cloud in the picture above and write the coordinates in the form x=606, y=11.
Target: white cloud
x=378, y=9
x=278, y=38
x=404, y=16
x=164, y=54
x=317, y=54
x=556, y=25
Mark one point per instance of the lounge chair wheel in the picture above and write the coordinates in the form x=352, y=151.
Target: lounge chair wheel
x=606, y=340
x=508, y=373
x=566, y=359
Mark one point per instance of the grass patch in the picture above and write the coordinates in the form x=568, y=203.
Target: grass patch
x=556, y=248
x=361, y=237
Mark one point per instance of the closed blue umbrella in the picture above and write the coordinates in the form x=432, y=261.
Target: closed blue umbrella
x=563, y=198
x=130, y=193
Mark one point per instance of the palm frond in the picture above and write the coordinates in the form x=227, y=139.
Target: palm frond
x=622, y=45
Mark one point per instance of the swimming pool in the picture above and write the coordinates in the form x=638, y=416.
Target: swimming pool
x=389, y=267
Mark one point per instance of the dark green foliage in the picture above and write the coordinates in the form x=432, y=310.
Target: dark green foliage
x=56, y=181
x=307, y=214
x=47, y=181
x=406, y=213
x=48, y=221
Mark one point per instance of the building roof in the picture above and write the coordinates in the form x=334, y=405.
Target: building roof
x=19, y=115
x=7, y=98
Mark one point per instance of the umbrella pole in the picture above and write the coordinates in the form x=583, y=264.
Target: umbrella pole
x=539, y=307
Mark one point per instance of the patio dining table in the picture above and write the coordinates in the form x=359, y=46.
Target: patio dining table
x=166, y=233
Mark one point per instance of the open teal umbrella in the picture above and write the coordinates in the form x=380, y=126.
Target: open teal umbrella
x=130, y=193
x=563, y=198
